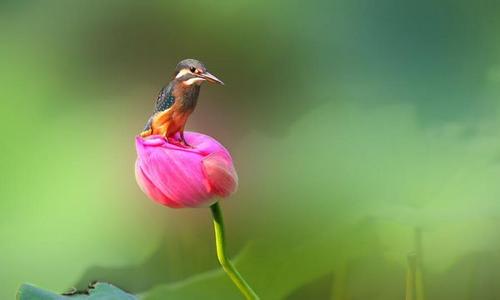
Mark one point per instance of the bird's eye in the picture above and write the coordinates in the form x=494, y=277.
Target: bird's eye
x=192, y=69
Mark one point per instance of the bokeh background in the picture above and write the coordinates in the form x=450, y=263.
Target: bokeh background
x=364, y=132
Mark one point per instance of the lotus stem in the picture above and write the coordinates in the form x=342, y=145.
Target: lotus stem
x=220, y=244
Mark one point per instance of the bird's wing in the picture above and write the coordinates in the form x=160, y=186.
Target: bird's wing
x=164, y=101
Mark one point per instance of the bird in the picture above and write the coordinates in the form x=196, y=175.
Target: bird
x=177, y=100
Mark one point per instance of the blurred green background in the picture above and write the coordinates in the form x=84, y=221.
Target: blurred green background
x=362, y=131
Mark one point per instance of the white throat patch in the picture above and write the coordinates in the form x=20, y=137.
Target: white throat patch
x=192, y=80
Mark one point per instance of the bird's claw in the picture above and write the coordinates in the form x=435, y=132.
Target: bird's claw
x=185, y=144
x=180, y=143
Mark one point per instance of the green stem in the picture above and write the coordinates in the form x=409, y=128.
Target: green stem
x=410, y=277
x=220, y=243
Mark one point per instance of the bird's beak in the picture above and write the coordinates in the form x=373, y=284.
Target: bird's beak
x=210, y=78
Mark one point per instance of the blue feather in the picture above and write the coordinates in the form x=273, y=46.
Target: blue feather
x=164, y=101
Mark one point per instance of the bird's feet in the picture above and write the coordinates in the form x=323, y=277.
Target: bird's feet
x=183, y=140
x=181, y=143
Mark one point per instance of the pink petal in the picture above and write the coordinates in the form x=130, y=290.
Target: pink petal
x=150, y=190
x=220, y=174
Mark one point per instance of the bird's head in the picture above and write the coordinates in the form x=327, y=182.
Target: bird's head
x=193, y=72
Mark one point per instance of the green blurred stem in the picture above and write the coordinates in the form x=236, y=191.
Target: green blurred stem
x=220, y=243
x=410, y=277
x=414, y=285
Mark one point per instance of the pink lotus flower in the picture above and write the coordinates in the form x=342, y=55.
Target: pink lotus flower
x=184, y=177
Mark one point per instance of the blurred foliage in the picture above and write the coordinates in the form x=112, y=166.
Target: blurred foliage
x=353, y=125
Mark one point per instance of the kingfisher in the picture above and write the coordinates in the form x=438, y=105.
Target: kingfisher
x=177, y=100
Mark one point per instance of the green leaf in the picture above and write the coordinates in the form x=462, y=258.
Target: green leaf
x=100, y=291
